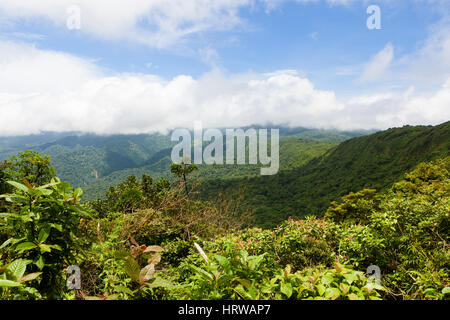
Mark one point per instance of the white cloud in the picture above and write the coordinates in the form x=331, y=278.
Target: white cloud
x=51, y=91
x=26, y=69
x=430, y=64
x=378, y=65
x=158, y=23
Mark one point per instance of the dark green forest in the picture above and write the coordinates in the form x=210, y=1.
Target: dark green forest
x=375, y=161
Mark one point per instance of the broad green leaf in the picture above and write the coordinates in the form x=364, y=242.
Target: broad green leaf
x=159, y=282
x=10, y=215
x=44, y=247
x=43, y=234
x=9, y=283
x=48, y=185
x=40, y=263
x=132, y=269
x=123, y=289
x=446, y=290
x=17, y=268
x=25, y=246
x=223, y=262
x=344, y=288
x=332, y=293
x=6, y=243
x=286, y=289
x=242, y=293
x=320, y=289
x=55, y=246
x=19, y=186
x=350, y=278
x=352, y=296
x=255, y=261
x=247, y=284
x=201, y=272
x=92, y=298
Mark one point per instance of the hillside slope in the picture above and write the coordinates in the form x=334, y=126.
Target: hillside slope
x=374, y=161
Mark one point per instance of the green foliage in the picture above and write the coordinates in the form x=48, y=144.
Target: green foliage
x=375, y=161
x=131, y=195
x=41, y=228
x=234, y=274
x=199, y=252
x=13, y=281
x=31, y=166
x=355, y=207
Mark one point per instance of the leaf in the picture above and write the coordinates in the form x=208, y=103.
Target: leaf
x=56, y=226
x=9, y=283
x=10, y=215
x=446, y=290
x=44, y=247
x=147, y=273
x=123, y=289
x=25, y=246
x=320, y=289
x=159, y=282
x=92, y=298
x=154, y=259
x=121, y=254
x=48, y=185
x=245, y=283
x=132, y=269
x=350, y=277
x=29, y=277
x=19, y=186
x=43, y=234
x=255, y=261
x=242, y=293
x=7, y=242
x=332, y=293
x=352, y=296
x=344, y=288
x=223, y=262
x=153, y=249
x=17, y=268
x=41, y=192
x=55, y=246
x=40, y=263
x=286, y=289
x=201, y=272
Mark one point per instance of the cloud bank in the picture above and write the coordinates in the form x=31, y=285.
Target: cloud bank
x=52, y=91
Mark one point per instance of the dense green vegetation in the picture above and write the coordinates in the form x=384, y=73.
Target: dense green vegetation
x=172, y=247
x=374, y=161
x=154, y=238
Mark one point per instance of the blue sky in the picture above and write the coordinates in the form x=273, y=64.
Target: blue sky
x=316, y=62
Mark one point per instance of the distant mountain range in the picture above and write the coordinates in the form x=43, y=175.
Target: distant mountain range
x=95, y=162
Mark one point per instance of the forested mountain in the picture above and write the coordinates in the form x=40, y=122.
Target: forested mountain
x=96, y=162
x=374, y=161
